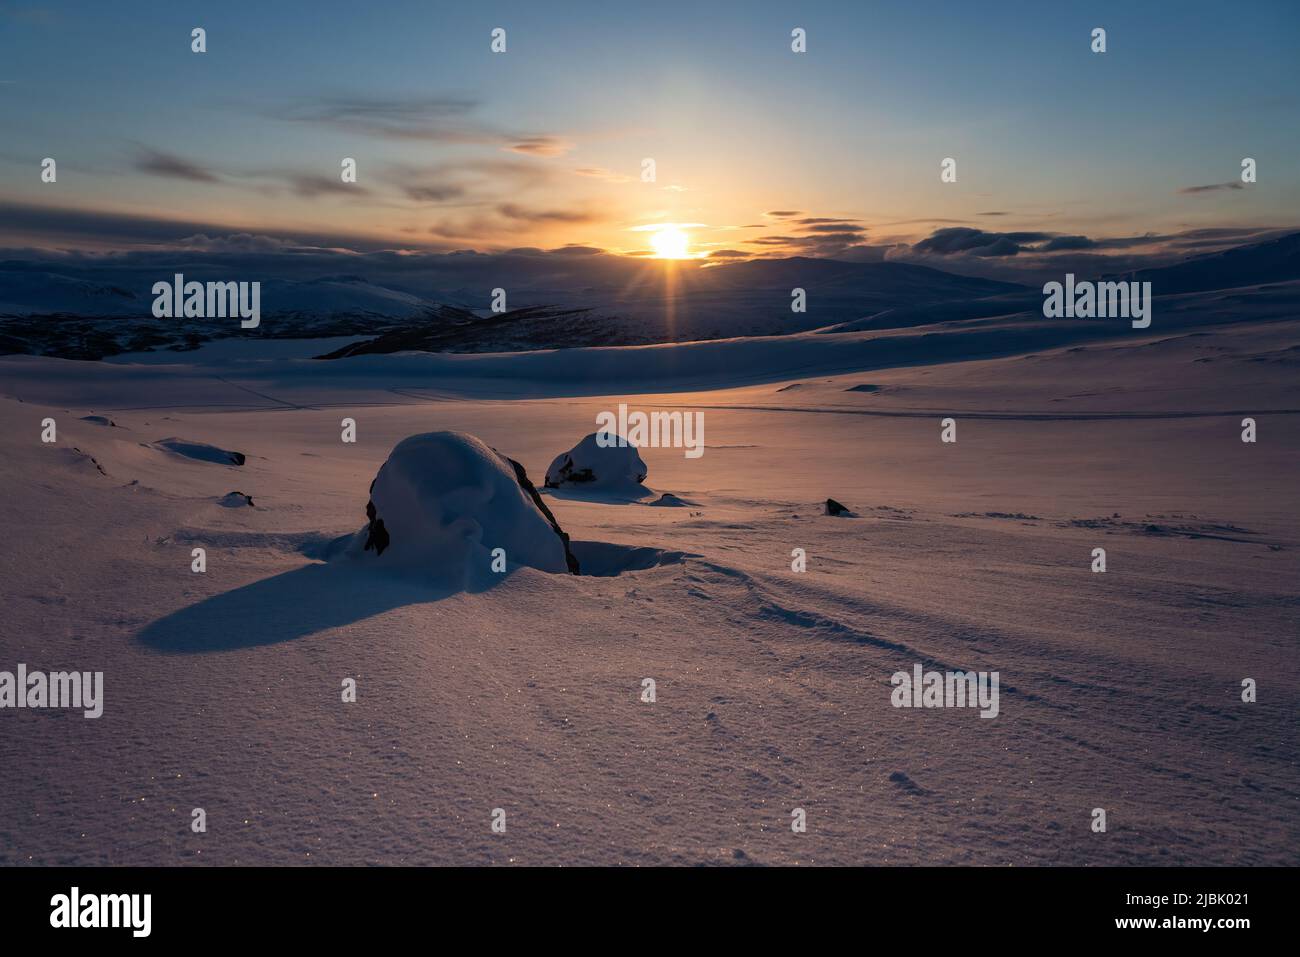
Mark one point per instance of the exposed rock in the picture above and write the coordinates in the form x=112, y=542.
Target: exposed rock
x=87, y=456
x=521, y=475
x=376, y=534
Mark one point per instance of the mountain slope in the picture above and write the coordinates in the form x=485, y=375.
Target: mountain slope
x=1277, y=260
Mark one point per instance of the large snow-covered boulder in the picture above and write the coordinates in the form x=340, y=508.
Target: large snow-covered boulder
x=589, y=464
x=444, y=500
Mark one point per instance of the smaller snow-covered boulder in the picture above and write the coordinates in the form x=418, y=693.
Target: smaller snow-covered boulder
x=601, y=460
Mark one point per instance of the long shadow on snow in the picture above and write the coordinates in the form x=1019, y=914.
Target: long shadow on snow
x=625, y=495
x=284, y=607
x=319, y=597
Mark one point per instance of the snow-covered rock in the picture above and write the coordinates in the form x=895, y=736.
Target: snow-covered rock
x=669, y=500
x=589, y=465
x=200, y=451
x=444, y=501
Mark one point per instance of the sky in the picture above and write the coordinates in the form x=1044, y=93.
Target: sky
x=758, y=150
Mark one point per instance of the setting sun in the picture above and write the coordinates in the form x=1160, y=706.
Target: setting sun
x=670, y=243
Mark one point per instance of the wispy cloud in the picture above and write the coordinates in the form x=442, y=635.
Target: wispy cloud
x=609, y=176
x=541, y=146
x=158, y=163
x=433, y=193
x=85, y=228
x=954, y=240
x=833, y=227
x=1210, y=188
x=1057, y=243
x=425, y=118
x=487, y=181
x=311, y=185
x=32, y=14
x=305, y=184
x=513, y=211
x=436, y=119
x=826, y=236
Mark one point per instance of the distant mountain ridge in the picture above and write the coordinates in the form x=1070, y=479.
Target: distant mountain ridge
x=90, y=311
x=95, y=312
x=1274, y=260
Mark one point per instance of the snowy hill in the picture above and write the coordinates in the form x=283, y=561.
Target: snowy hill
x=106, y=309
x=1277, y=260
x=597, y=300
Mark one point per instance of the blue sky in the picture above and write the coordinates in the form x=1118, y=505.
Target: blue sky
x=541, y=146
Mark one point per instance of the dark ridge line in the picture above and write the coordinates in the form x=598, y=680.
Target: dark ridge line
x=1011, y=416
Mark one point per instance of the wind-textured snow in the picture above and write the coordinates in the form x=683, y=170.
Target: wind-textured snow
x=1120, y=690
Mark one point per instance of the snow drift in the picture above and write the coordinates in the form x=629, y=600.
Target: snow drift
x=590, y=465
x=200, y=451
x=444, y=501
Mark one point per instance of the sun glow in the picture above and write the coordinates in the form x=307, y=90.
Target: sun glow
x=669, y=242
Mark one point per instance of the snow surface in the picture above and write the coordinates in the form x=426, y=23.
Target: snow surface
x=1119, y=690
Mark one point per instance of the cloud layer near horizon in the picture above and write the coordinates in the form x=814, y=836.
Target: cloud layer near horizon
x=88, y=239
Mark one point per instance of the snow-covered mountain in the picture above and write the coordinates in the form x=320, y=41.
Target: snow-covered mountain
x=49, y=313
x=90, y=311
